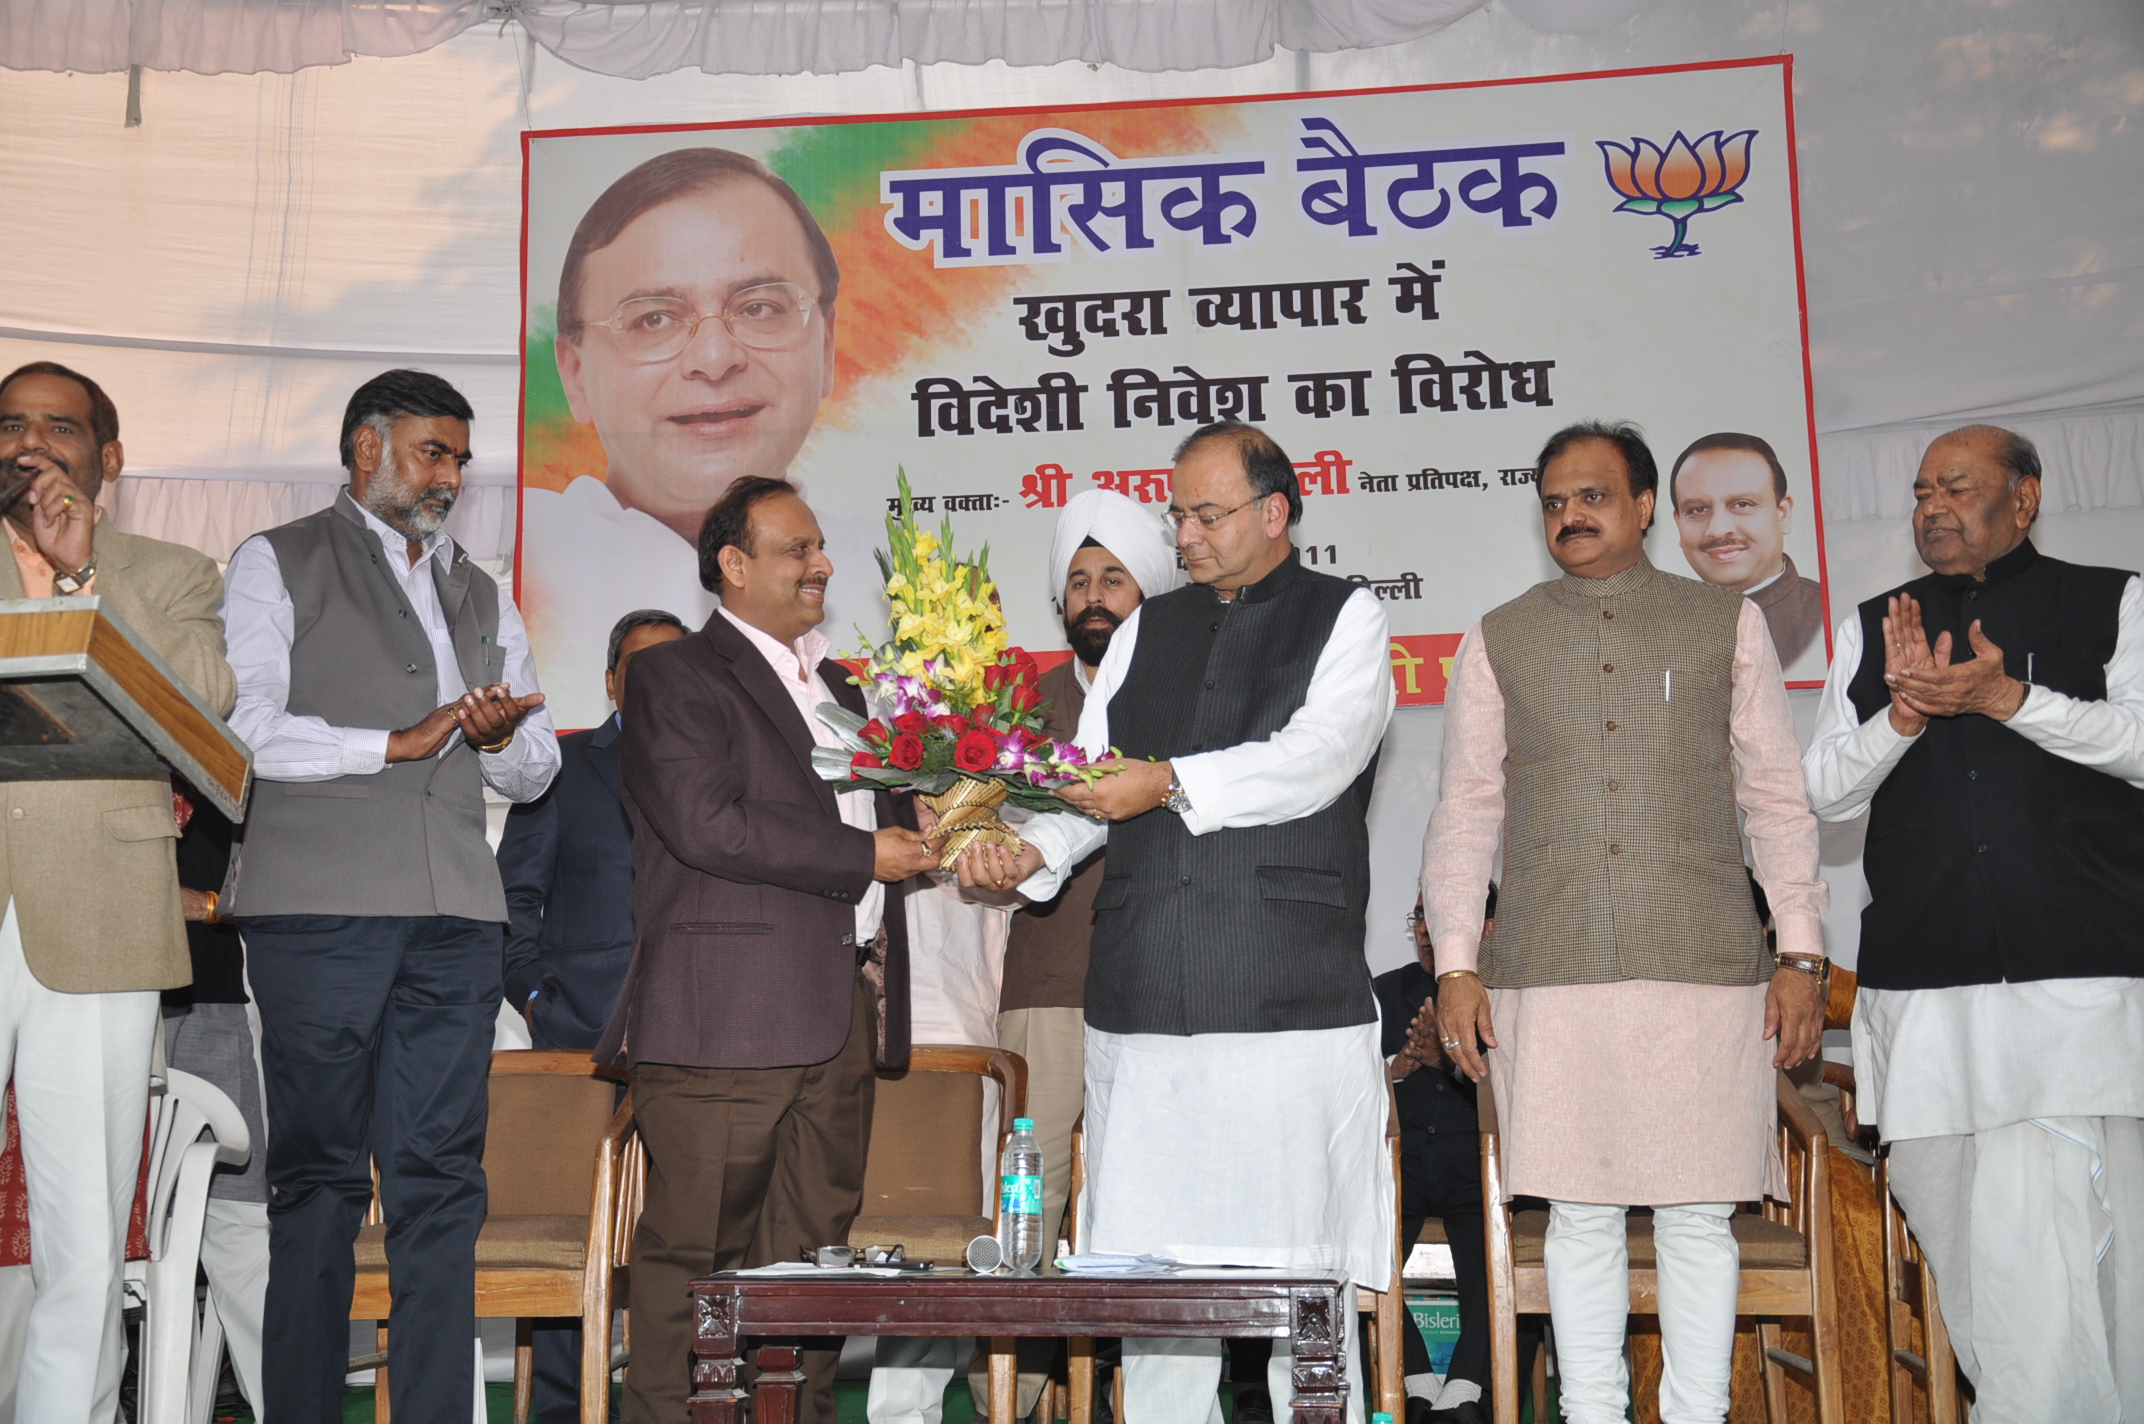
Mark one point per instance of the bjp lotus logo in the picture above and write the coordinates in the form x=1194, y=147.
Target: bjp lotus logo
x=1679, y=181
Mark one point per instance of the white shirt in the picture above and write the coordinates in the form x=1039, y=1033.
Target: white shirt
x=586, y=561
x=258, y=627
x=1976, y=1057
x=1298, y=771
x=797, y=669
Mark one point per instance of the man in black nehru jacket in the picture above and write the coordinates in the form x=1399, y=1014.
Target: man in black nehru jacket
x=1990, y=719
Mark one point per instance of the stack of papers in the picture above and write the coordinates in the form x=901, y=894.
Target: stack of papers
x=1104, y=1263
x=806, y=1268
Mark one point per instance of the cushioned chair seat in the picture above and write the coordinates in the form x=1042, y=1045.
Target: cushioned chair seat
x=546, y=1243
x=1766, y=1245
x=927, y=1238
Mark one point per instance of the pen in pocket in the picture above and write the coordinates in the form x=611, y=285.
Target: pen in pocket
x=1667, y=685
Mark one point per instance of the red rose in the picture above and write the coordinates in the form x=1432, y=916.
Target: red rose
x=907, y=752
x=951, y=722
x=977, y=751
x=913, y=724
x=1025, y=698
x=1025, y=668
x=874, y=732
x=995, y=677
x=863, y=759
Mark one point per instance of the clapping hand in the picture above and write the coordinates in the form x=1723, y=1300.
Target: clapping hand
x=489, y=715
x=1925, y=683
x=1423, y=1045
x=483, y=715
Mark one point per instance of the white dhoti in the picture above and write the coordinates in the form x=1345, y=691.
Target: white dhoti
x=2015, y=1114
x=1236, y=1149
x=2035, y=1232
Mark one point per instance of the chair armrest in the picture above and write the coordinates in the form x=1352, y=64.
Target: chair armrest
x=1794, y=1115
x=614, y=1199
x=1839, y=1006
x=1009, y=1069
x=563, y=1062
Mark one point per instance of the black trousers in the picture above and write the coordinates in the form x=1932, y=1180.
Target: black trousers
x=376, y=1038
x=1442, y=1178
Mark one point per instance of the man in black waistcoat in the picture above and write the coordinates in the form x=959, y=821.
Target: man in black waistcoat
x=1235, y=1093
x=1998, y=745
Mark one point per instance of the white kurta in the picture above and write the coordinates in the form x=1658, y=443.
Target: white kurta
x=1979, y=1056
x=1256, y=1149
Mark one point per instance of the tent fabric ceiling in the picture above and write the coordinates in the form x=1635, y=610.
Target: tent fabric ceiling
x=263, y=242
x=635, y=40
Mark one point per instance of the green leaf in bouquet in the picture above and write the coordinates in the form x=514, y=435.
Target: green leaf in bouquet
x=831, y=763
x=846, y=724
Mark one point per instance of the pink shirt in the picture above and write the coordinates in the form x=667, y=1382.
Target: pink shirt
x=797, y=670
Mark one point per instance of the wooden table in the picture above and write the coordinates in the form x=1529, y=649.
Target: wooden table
x=1302, y=1309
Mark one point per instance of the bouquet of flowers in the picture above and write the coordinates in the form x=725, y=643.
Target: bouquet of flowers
x=960, y=721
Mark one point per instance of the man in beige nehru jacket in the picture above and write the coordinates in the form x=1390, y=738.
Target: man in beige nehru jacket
x=1608, y=724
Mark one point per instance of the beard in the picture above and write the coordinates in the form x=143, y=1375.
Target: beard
x=403, y=508
x=1090, y=641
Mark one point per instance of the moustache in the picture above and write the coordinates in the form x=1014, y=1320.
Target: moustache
x=1710, y=544
x=1574, y=531
x=26, y=464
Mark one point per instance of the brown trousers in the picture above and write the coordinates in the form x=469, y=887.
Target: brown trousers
x=745, y=1166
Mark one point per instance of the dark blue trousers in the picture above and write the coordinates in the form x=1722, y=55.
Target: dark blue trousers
x=376, y=1038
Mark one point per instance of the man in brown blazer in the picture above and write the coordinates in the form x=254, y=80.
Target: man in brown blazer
x=92, y=929
x=758, y=897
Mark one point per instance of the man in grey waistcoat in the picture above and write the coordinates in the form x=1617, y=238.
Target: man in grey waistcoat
x=1236, y=1100
x=383, y=681
x=1608, y=726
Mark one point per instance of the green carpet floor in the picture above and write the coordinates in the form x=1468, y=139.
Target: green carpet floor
x=849, y=1396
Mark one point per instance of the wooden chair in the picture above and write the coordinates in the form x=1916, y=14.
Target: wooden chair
x=1786, y=1266
x=924, y=1170
x=1384, y=1373
x=1909, y=1286
x=566, y=1171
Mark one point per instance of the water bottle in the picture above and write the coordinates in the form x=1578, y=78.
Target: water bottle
x=1020, y=1199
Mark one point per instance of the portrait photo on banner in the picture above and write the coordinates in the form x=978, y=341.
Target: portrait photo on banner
x=1409, y=289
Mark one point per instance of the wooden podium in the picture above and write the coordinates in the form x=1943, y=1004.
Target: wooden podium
x=83, y=698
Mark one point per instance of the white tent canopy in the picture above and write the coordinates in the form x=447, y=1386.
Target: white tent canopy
x=296, y=212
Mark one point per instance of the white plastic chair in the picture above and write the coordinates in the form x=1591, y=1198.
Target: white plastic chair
x=194, y=1128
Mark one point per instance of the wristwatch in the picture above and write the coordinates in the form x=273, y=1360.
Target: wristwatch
x=64, y=582
x=1816, y=968
x=1177, y=800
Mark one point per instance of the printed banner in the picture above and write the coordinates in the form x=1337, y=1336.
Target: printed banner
x=1409, y=289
